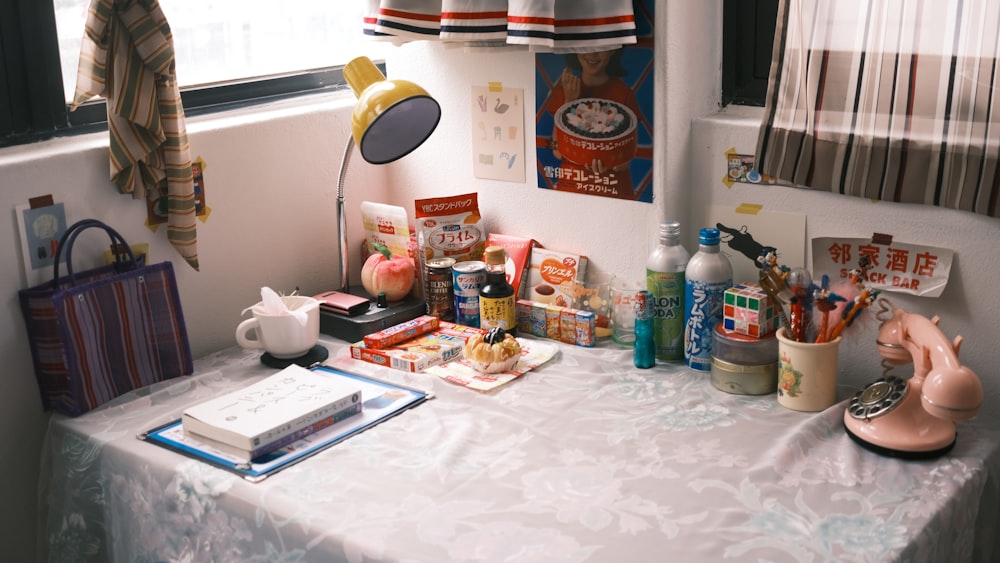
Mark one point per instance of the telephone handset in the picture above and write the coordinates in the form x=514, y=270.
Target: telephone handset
x=914, y=418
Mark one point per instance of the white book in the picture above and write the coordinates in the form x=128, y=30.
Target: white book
x=272, y=408
x=249, y=455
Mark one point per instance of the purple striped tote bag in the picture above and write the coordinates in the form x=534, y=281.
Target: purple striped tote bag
x=97, y=334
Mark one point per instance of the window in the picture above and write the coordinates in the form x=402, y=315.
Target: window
x=748, y=33
x=227, y=51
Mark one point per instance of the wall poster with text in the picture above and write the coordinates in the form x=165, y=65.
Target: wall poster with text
x=594, y=118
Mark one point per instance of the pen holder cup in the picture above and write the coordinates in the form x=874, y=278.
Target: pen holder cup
x=807, y=373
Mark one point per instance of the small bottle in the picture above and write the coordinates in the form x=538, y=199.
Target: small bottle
x=496, y=296
x=665, y=280
x=645, y=343
x=707, y=277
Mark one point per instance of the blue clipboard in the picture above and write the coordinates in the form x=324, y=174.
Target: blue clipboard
x=383, y=400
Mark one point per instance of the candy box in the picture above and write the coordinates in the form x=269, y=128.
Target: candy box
x=748, y=309
x=553, y=275
x=438, y=346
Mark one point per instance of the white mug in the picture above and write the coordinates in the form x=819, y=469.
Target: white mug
x=283, y=336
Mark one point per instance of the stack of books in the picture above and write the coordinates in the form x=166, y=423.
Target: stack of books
x=272, y=413
x=414, y=345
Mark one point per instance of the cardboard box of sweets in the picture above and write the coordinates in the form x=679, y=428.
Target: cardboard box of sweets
x=552, y=276
x=421, y=352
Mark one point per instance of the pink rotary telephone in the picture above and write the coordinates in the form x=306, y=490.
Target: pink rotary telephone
x=914, y=419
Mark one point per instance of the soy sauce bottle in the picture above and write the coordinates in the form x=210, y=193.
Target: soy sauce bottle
x=496, y=297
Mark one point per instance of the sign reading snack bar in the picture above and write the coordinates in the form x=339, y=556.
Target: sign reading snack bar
x=895, y=266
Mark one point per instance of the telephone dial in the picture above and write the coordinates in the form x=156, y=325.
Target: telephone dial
x=914, y=418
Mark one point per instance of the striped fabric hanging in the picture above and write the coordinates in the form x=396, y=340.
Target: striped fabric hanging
x=887, y=99
x=127, y=55
x=539, y=25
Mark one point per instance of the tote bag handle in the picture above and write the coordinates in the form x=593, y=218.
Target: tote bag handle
x=69, y=238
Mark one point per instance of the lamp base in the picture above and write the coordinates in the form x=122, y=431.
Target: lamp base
x=354, y=328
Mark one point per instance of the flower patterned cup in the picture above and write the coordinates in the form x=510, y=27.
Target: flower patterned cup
x=807, y=373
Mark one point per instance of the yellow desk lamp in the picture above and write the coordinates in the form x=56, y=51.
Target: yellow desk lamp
x=391, y=119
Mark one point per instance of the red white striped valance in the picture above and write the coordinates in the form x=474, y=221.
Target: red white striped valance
x=541, y=25
x=887, y=99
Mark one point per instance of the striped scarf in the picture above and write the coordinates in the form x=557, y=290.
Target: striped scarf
x=881, y=99
x=127, y=56
x=540, y=25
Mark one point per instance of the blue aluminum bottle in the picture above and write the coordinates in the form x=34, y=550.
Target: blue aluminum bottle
x=707, y=277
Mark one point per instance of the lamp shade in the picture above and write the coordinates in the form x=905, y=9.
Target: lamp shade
x=392, y=117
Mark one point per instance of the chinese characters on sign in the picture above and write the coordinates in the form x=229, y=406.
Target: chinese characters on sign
x=904, y=268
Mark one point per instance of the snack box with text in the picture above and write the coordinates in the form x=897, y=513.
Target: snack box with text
x=402, y=332
x=421, y=352
x=552, y=276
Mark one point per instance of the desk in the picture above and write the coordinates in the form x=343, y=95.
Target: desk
x=583, y=459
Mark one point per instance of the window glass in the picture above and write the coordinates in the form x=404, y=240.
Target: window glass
x=747, y=36
x=234, y=40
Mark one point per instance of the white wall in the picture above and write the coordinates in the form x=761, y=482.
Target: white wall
x=271, y=180
x=271, y=184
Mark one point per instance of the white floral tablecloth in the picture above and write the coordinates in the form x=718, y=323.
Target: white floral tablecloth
x=582, y=459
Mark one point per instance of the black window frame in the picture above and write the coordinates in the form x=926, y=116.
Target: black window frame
x=32, y=99
x=748, y=28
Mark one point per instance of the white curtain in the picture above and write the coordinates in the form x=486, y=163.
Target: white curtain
x=887, y=99
x=539, y=25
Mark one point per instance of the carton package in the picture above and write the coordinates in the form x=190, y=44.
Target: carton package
x=438, y=346
x=552, y=276
x=518, y=256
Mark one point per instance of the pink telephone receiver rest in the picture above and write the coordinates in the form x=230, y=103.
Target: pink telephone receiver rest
x=914, y=419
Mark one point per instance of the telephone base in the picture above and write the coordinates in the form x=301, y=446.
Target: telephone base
x=901, y=454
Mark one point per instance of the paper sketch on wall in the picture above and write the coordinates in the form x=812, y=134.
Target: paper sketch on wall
x=594, y=118
x=742, y=168
x=747, y=230
x=41, y=224
x=498, y=133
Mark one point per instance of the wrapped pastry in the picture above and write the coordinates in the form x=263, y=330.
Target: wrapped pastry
x=492, y=352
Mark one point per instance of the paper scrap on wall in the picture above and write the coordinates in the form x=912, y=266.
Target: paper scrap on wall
x=748, y=228
x=498, y=133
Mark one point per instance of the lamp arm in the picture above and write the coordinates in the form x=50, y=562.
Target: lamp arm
x=342, y=217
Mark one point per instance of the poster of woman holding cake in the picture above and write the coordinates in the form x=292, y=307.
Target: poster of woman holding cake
x=594, y=117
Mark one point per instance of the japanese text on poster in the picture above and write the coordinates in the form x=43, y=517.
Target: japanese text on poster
x=594, y=118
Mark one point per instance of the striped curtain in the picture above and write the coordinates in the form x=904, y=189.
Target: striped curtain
x=539, y=25
x=887, y=99
x=127, y=56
